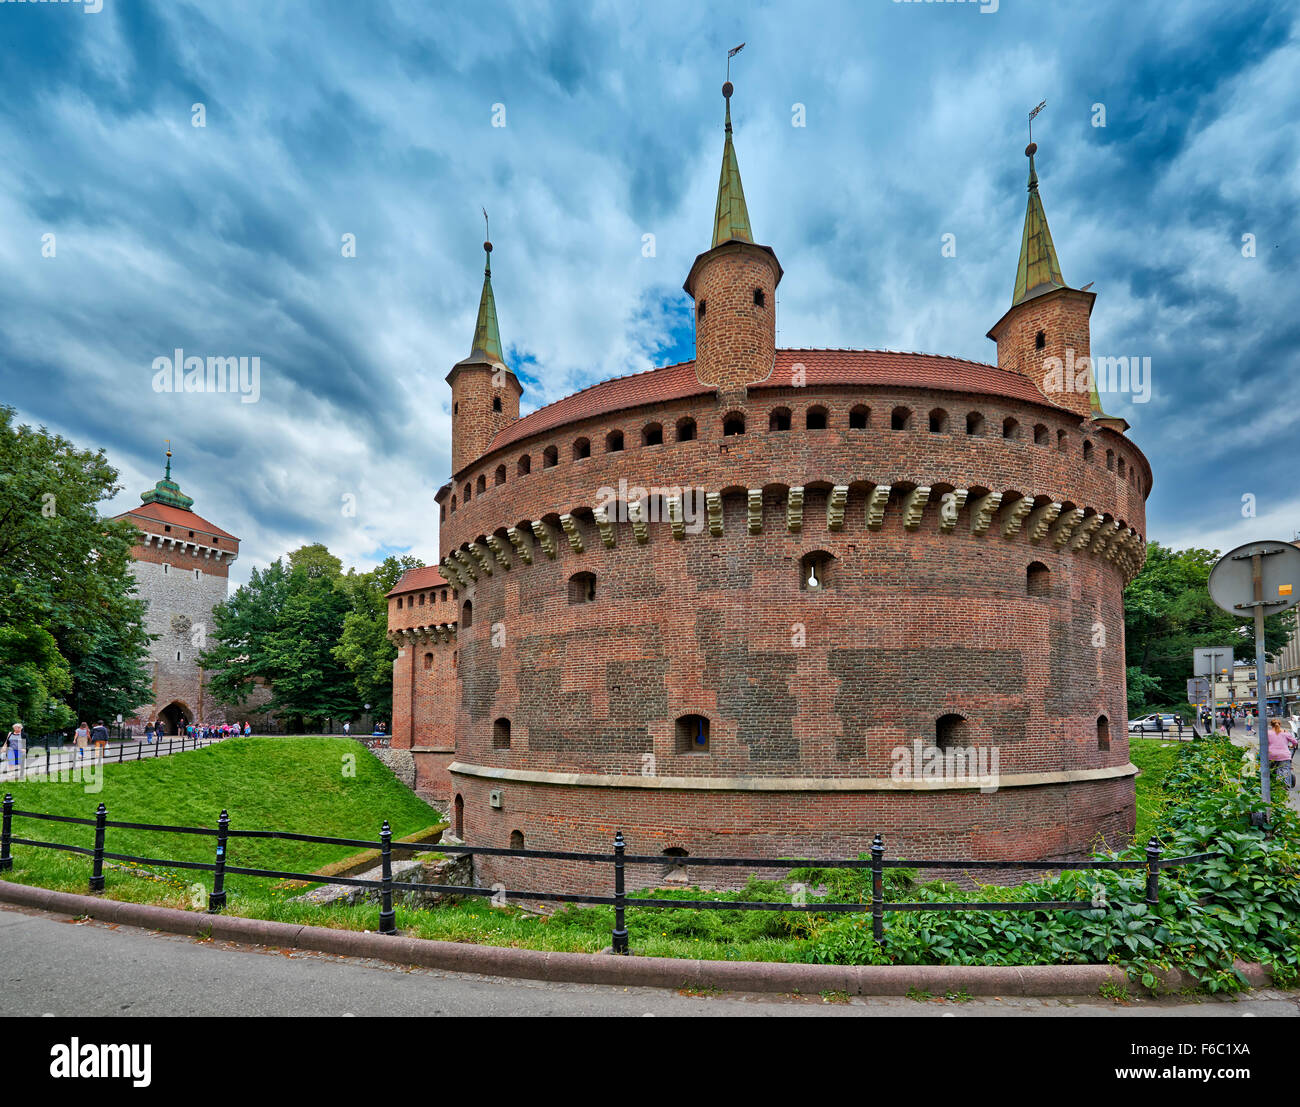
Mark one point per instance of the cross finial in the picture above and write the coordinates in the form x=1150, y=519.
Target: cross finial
x=487, y=243
x=1041, y=105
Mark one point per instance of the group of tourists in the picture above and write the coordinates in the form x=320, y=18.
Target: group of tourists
x=207, y=731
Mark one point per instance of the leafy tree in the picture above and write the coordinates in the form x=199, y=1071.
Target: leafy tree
x=1168, y=613
x=33, y=678
x=363, y=647
x=65, y=570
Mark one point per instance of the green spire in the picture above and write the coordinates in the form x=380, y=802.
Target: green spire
x=731, y=219
x=167, y=491
x=1038, y=271
x=487, y=339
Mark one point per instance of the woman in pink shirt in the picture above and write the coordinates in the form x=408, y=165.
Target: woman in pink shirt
x=1280, y=747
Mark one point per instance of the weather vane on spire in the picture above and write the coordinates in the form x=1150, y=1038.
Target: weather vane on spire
x=731, y=54
x=487, y=241
x=1041, y=105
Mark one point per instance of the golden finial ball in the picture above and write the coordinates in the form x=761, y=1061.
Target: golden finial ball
x=487, y=246
x=728, y=89
x=1031, y=149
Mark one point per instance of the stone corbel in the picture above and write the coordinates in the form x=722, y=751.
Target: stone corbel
x=675, y=517
x=499, y=549
x=1085, y=532
x=570, y=525
x=606, y=527
x=521, y=544
x=950, y=505
x=755, y=510
x=835, y=507
x=544, y=538
x=713, y=502
x=480, y=553
x=1040, y=519
x=794, y=510
x=876, y=506
x=1015, y=516
x=467, y=564
x=914, y=506
x=981, y=513
x=1064, y=529
x=636, y=513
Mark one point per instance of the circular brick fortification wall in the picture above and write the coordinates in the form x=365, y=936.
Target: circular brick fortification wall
x=928, y=610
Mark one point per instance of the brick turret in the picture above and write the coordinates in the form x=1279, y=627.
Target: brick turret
x=734, y=288
x=1045, y=335
x=484, y=392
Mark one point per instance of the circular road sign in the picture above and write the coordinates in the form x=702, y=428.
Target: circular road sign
x=1232, y=584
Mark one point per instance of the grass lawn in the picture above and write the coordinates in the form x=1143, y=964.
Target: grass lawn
x=298, y=784
x=1155, y=758
x=327, y=786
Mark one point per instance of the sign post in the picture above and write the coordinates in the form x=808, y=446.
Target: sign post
x=1207, y=662
x=1259, y=578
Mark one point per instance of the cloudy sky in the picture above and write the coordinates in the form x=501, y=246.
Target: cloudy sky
x=376, y=120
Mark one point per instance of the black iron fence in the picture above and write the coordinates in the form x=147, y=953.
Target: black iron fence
x=47, y=760
x=618, y=858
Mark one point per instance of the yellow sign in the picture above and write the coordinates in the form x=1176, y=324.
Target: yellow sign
x=1284, y=590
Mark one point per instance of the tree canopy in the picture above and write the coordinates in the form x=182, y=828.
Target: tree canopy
x=72, y=637
x=1168, y=613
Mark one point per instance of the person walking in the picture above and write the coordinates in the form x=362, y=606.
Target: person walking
x=1281, y=746
x=81, y=739
x=1227, y=723
x=1180, y=727
x=347, y=729
x=99, y=738
x=16, y=744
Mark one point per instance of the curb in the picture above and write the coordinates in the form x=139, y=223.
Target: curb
x=586, y=968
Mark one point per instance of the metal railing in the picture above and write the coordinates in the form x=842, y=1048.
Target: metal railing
x=66, y=758
x=618, y=858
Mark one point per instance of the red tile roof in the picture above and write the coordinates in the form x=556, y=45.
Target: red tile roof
x=823, y=367
x=414, y=579
x=177, y=517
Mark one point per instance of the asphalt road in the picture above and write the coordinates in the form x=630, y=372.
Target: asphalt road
x=51, y=965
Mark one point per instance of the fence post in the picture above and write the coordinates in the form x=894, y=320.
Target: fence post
x=619, y=937
x=97, y=861
x=878, y=888
x=6, y=832
x=217, y=900
x=1153, y=872
x=387, y=916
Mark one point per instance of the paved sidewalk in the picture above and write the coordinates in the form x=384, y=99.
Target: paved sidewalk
x=57, y=967
x=36, y=763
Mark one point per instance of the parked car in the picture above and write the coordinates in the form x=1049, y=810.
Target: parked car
x=1156, y=723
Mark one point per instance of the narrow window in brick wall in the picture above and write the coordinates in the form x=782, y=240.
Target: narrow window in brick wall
x=582, y=449
x=652, y=435
x=732, y=425
x=444, y=595
x=858, y=417
x=692, y=734
x=428, y=661
x=779, y=420
x=1110, y=460
x=1040, y=341
x=938, y=421
x=974, y=423
x=442, y=512
x=550, y=457
x=501, y=734
x=453, y=505
x=1010, y=428
x=399, y=603
x=1087, y=450
x=685, y=430
x=1103, y=732
x=500, y=475
x=1038, y=579
x=900, y=419
x=458, y=817
x=516, y=839
x=760, y=300
x=613, y=442
x=1062, y=440
x=496, y=403
x=1042, y=436
x=675, y=868
x=814, y=570
x=467, y=493
x=524, y=466
x=421, y=599
x=582, y=588
x=950, y=731
x=700, y=309
x=1123, y=467
x=467, y=614
x=816, y=419
x=480, y=485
